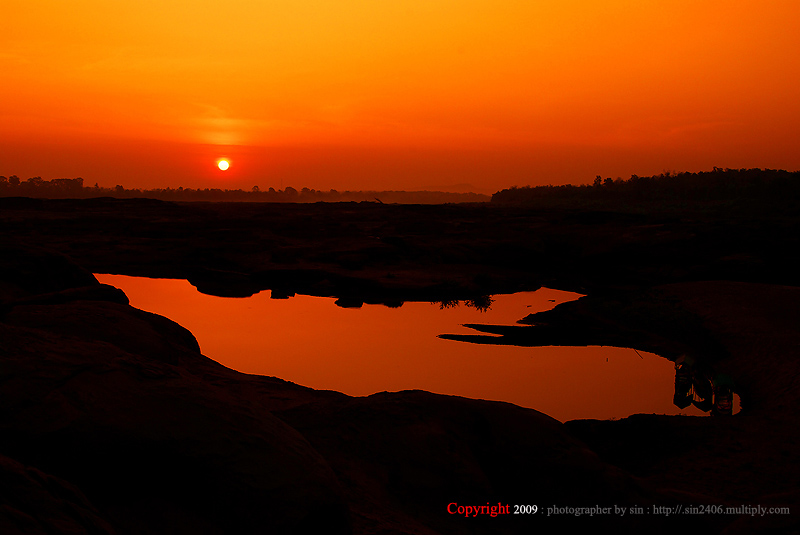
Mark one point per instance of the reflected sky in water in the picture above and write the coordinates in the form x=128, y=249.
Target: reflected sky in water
x=312, y=342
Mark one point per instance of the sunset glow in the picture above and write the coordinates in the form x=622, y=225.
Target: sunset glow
x=223, y=165
x=396, y=95
x=564, y=382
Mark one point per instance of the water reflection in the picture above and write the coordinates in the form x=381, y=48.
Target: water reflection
x=482, y=303
x=696, y=386
x=374, y=348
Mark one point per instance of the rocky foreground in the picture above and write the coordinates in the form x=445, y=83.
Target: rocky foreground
x=112, y=421
x=744, y=330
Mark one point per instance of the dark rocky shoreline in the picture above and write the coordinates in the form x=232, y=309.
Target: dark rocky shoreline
x=113, y=422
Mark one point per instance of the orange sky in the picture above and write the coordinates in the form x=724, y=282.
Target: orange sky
x=358, y=94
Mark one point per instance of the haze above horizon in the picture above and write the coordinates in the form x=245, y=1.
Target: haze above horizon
x=395, y=95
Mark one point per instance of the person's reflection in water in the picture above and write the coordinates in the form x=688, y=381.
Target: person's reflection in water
x=723, y=395
x=692, y=387
x=683, y=383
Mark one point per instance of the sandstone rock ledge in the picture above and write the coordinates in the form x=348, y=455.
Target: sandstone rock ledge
x=112, y=421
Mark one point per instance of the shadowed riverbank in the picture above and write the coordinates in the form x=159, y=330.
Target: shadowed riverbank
x=369, y=252
x=116, y=423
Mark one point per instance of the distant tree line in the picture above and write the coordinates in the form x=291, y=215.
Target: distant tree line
x=37, y=187
x=73, y=188
x=716, y=185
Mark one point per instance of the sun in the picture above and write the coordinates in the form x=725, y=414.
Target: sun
x=223, y=165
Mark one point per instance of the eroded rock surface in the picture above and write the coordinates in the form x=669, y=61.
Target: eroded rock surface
x=112, y=421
